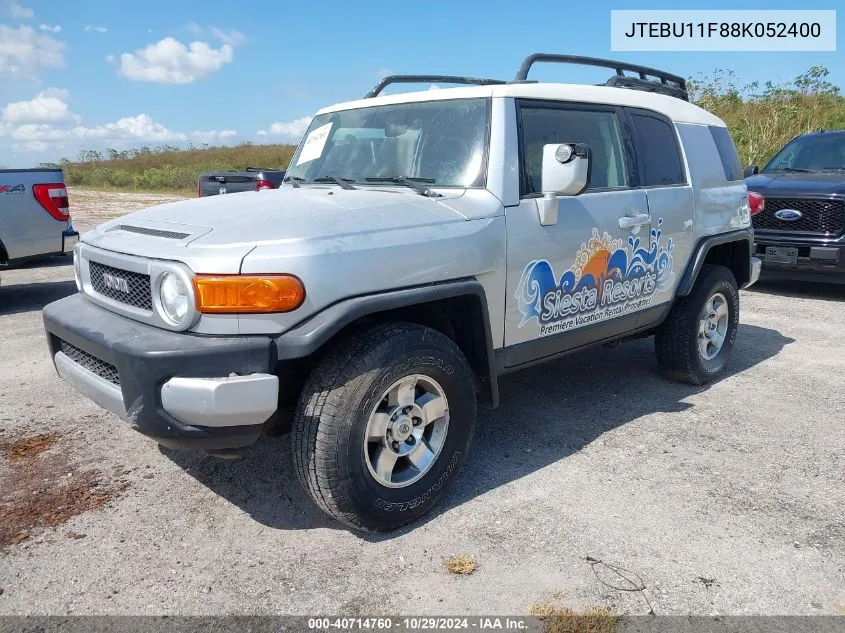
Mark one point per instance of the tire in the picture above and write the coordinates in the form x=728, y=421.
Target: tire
x=677, y=342
x=340, y=468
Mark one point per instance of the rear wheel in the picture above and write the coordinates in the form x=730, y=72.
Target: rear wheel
x=694, y=343
x=383, y=425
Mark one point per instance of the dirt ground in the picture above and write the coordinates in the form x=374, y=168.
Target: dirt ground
x=596, y=484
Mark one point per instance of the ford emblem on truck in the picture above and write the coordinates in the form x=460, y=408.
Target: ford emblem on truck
x=116, y=283
x=788, y=215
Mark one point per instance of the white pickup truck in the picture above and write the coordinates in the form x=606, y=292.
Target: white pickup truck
x=34, y=215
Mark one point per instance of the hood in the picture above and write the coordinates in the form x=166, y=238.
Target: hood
x=286, y=214
x=784, y=184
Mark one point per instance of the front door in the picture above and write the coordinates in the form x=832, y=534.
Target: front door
x=592, y=274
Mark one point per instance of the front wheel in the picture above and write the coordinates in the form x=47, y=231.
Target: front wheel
x=384, y=424
x=694, y=343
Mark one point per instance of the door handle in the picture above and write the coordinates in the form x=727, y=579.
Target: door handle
x=633, y=220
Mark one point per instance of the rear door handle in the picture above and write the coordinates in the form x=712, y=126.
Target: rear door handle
x=633, y=220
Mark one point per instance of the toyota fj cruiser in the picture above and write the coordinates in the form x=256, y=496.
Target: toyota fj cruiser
x=422, y=246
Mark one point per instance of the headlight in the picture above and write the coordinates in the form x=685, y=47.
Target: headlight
x=175, y=298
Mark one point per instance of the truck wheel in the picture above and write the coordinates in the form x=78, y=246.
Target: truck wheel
x=384, y=424
x=695, y=341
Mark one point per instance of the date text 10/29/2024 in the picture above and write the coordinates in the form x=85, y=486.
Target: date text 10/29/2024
x=493, y=623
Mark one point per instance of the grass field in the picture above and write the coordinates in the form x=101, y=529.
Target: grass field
x=169, y=169
x=761, y=118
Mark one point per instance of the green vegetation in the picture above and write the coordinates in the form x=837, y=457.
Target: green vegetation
x=167, y=168
x=761, y=118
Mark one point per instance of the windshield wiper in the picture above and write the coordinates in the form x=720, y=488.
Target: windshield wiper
x=341, y=182
x=794, y=169
x=413, y=183
x=294, y=181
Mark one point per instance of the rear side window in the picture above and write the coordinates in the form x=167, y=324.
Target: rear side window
x=658, y=152
x=727, y=152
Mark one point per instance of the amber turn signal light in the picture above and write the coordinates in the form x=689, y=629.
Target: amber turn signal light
x=227, y=294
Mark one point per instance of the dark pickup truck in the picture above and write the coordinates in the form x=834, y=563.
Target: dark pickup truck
x=800, y=233
x=253, y=179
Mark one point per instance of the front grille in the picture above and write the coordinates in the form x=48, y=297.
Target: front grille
x=142, y=230
x=137, y=284
x=823, y=217
x=93, y=364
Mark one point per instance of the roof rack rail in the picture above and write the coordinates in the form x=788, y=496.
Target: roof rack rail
x=419, y=79
x=667, y=83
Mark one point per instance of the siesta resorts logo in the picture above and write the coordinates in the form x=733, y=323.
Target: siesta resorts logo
x=608, y=279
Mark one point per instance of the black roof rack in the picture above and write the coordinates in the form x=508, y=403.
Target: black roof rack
x=666, y=83
x=419, y=79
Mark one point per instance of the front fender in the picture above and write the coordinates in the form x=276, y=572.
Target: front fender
x=309, y=336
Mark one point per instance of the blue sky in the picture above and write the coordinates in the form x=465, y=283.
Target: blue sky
x=97, y=74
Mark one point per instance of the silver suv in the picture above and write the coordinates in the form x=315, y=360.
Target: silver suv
x=422, y=246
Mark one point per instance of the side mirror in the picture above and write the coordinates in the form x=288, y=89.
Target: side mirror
x=751, y=170
x=566, y=172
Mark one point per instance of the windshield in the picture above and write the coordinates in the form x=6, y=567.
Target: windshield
x=811, y=153
x=442, y=143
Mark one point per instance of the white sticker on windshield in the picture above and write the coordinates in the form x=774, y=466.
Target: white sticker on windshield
x=314, y=144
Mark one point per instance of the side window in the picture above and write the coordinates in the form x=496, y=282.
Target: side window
x=727, y=152
x=542, y=125
x=658, y=153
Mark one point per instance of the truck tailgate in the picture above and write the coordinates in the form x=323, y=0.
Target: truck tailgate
x=216, y=184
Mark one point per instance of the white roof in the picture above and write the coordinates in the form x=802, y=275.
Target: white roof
x=676, y=109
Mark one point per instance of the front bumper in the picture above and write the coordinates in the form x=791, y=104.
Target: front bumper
x=181, y=389
x=815, y=262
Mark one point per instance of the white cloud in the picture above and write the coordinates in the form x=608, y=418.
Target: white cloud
x=132, y=128
x=45, y=125
x=16, y=11
x=59, y=93
x=52, y=29
x=48, y=119
x=96, y=29
x=32, y=146
x=213, y=136
x=289, y=129
x=110, y=58
x=25, y=52
x=230, y=37
x=50, y=106
x=169, y=61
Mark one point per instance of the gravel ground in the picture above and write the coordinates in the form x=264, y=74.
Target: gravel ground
x=727, y=499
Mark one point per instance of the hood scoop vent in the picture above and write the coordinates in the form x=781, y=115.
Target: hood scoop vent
x=168, y=235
